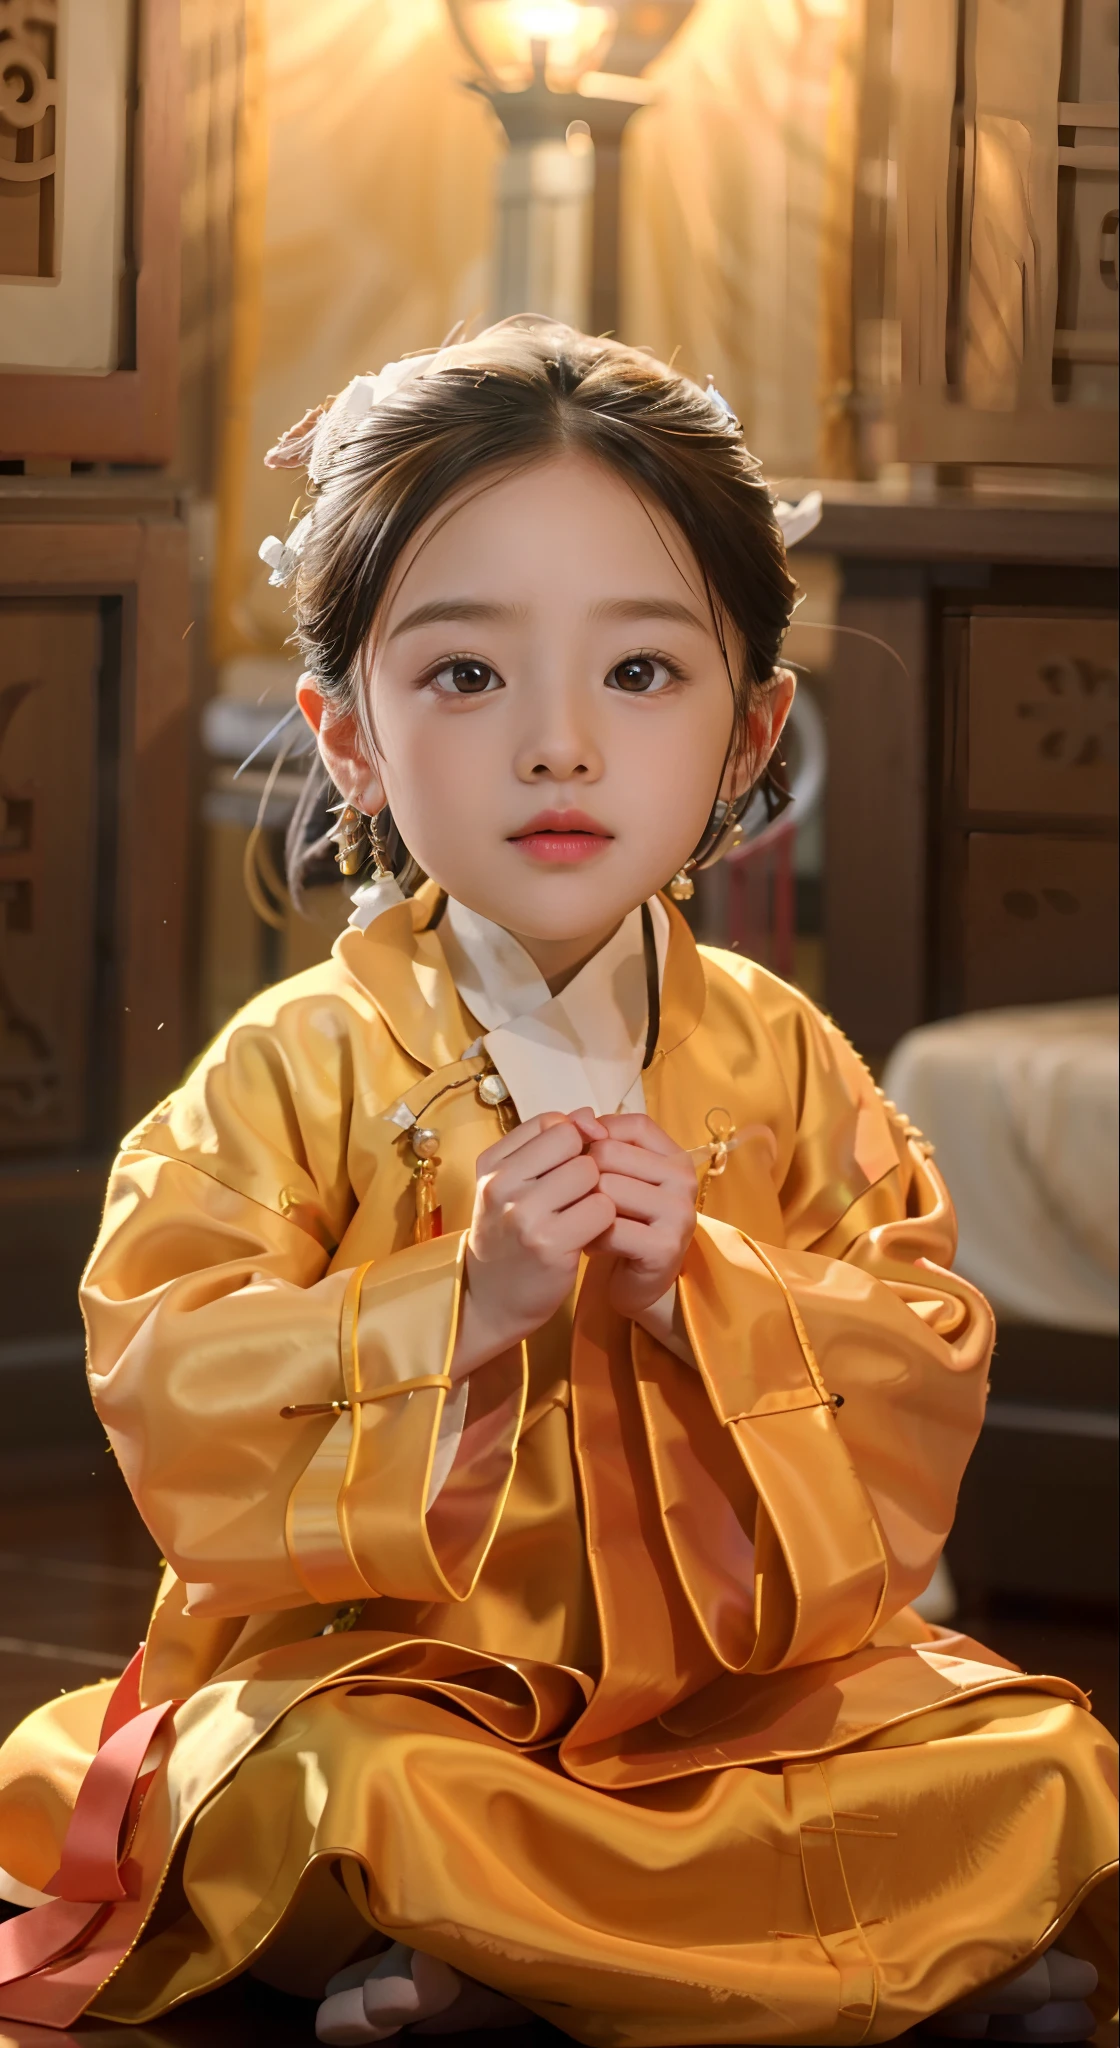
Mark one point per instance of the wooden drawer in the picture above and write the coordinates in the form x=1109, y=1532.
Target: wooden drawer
x=1039, y=919
x=1042, y=715
x=50, y=652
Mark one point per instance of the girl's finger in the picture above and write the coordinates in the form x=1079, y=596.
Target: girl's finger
x=641, y=1130
x=586, y=1121
x=521, y=1134
x=626, y=1239
x=538, y=1155
x=635, y=1198
x=575, y=1229
x=612, y=1156
x=557, y=1190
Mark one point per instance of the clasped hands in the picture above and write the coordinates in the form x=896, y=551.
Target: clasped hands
x=554, y=1188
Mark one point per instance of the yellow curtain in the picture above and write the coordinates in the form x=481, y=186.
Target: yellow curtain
x=364, y=223
x=737, y=217
x=364, y=231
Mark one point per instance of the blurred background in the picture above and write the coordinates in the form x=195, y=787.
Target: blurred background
x=887, y=229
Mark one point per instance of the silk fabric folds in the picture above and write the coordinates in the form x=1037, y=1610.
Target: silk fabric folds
x=634, y=1723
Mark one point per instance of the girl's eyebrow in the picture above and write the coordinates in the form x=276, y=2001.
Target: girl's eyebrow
x=649, y=608
x=442, y=609
x=439, y=611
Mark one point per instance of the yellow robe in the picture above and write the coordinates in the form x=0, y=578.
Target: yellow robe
x=634, y=1722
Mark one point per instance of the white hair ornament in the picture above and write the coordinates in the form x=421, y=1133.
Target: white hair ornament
x=341, y=417
x=798, y=520
x=795, y=520
x=334, y=427
x=282, y=556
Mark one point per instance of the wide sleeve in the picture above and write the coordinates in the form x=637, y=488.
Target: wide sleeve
x=846, y=1371
x=279, y=1421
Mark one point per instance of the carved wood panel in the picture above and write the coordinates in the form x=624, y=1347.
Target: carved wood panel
x=1042, y=731
x=49, y=665
x=29, y=121
x=88, y=366
x=1087, y=338
x=1039, y=919
x=986, y=216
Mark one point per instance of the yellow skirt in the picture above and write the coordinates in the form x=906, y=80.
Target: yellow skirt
x=837, y=1900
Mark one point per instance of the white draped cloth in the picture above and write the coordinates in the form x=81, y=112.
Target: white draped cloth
x=581, y=1049
x=1022, y=1108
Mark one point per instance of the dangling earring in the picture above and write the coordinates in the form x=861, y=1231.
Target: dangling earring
x=350, y=835
x=382, y=872
x=722, y=833
x=357, y=839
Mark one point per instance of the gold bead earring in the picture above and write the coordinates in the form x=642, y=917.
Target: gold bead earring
x=351, y=839
x=682, y=888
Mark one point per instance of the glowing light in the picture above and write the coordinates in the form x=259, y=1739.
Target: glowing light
x=545, y=23
x=509, y=38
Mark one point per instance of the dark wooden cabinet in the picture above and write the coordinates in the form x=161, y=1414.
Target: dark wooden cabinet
x=1034, y=700
x=51, y=658
x=971, y=808
x=1023, y=824
x=96, y=733
x=1034, y=922
x=96, y=770
x=970, y=862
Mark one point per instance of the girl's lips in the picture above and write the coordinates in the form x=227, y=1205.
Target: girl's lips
x=562, y=849
x=562, y=838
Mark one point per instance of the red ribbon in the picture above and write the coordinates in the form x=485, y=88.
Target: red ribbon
x=55, y=1958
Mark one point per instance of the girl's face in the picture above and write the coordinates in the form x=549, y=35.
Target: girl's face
x=551, y=704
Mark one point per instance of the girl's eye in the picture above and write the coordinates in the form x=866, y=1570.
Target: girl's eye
x=640, y=675
x=466, y=679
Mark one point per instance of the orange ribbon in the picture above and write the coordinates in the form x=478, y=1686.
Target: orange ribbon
x=55, y=1957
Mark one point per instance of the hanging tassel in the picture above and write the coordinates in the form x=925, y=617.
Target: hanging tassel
x=721, y=1130
x=429, y=1214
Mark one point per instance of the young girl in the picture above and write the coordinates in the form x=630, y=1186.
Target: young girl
x=530, y=1340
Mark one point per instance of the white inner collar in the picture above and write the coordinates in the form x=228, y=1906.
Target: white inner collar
x=582, y=1048
x=490, y=968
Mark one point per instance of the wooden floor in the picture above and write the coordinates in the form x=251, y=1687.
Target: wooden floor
x=77, y=1574
x=247, y=2015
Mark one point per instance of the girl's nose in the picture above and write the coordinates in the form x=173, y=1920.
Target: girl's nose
x=558, y=744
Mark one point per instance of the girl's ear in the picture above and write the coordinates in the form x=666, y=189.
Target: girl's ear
x=765, y=720
x=341, y=748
